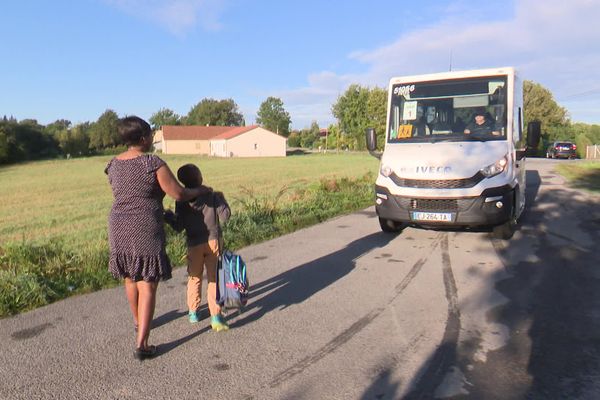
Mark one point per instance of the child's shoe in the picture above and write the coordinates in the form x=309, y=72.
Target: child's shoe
x=193, y=317
x=217, y=323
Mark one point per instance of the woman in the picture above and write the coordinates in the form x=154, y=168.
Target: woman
x=136, y=233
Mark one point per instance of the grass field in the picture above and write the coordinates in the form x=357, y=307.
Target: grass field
x=584, y=175
x=53, y=236
x=70, y=199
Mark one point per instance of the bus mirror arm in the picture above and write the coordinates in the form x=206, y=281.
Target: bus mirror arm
x=371, y=138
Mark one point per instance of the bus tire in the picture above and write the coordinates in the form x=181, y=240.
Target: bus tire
x=390, y=226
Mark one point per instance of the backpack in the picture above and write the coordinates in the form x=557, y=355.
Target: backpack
x=232, y=281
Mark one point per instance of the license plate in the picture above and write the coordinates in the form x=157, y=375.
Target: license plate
x=430, y=216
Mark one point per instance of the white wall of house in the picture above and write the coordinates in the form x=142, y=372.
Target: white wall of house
x=258, y=142
x=218, y=148
x=157, y=141
x=186, y=147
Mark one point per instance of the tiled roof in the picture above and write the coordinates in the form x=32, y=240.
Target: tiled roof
x=234, y=131
x=193, y=132
x=200, y=132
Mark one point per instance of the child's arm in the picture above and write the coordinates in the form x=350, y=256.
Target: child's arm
x=223, y=210
x=174, y=218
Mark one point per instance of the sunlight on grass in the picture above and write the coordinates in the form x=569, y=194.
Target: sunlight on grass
x=54, y=215
x=584, y=175
x=71, y=199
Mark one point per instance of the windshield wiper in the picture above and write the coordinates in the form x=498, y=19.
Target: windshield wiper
x=473, y=138
x=468, y=138
x=446, y=139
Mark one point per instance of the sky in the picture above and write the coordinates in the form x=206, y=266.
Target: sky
x=75, y=59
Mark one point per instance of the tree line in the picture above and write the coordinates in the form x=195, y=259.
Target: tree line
x=28, y=140
x=358, y=108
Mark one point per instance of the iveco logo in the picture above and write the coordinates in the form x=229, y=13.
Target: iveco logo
x=433, y=170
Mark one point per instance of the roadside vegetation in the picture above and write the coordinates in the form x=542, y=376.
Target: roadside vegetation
x=583, y=175
x=539, y=105
x=53, y=239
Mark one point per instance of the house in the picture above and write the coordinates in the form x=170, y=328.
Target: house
x=220, y=141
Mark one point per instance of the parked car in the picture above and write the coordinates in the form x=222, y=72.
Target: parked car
x=562, y=149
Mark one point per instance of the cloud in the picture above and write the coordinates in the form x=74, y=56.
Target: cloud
x=176, y=16
x=554, y=42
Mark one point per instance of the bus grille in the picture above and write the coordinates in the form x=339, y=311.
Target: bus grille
x=438, y=205
x=437, y=183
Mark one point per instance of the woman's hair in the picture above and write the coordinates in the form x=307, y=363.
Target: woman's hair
x=132, y=129
x=188, y=175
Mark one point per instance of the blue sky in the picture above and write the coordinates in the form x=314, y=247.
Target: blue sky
x=75, y=59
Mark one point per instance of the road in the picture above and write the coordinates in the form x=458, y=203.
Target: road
x=344, y=311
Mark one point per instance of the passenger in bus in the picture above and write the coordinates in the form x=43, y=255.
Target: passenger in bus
x=440, y=125
x=420, y=127
x=458, y=125
x=481, y=124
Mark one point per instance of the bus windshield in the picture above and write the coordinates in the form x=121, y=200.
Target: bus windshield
x=450, y=110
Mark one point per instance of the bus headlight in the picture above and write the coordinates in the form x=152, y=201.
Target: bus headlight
x=386, y=170
x=495, y=168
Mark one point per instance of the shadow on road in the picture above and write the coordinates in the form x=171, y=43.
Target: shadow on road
x=300, y=283
x=552, y=286
x=291, y=287
x=382, y=387
x=167, y=317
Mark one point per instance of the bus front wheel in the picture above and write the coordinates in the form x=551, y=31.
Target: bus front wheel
x=389, y=226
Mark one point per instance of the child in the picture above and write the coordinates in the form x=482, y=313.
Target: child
x=198, y=219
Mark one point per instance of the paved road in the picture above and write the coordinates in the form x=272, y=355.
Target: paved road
x=343, y=311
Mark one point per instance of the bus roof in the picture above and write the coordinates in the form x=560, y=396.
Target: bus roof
x=454, y=75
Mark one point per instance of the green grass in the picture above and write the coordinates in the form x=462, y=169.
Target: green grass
x=70, y=199
x=53, y=237
x=584, y=175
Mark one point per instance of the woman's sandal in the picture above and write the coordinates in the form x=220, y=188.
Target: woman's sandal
x=142, y=354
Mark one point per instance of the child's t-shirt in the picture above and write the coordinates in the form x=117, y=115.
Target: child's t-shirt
x=198, y=219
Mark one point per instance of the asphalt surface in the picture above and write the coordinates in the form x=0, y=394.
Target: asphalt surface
x=344, y=311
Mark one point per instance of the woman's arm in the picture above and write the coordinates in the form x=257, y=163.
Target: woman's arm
x=169, y=184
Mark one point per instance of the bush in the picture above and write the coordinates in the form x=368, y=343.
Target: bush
x=32, y=275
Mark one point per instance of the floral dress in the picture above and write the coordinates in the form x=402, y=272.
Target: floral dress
x=136, y=232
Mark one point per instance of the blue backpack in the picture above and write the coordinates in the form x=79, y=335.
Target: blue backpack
x=232, y=281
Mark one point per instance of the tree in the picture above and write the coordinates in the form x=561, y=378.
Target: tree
x=103, y=133
x=272, y=116
x=539, y=104
x=309, y=136
x=164, y=116
x=358, y=109
x=294, y=139
x=377, y=113
x=57, y=126
x=335, y=139
x=75, y=141
x=25, y=140
x=4, y=147
x=215, y=112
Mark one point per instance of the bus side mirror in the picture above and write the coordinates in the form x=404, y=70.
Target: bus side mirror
x=534, y=133
x=372, y=142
